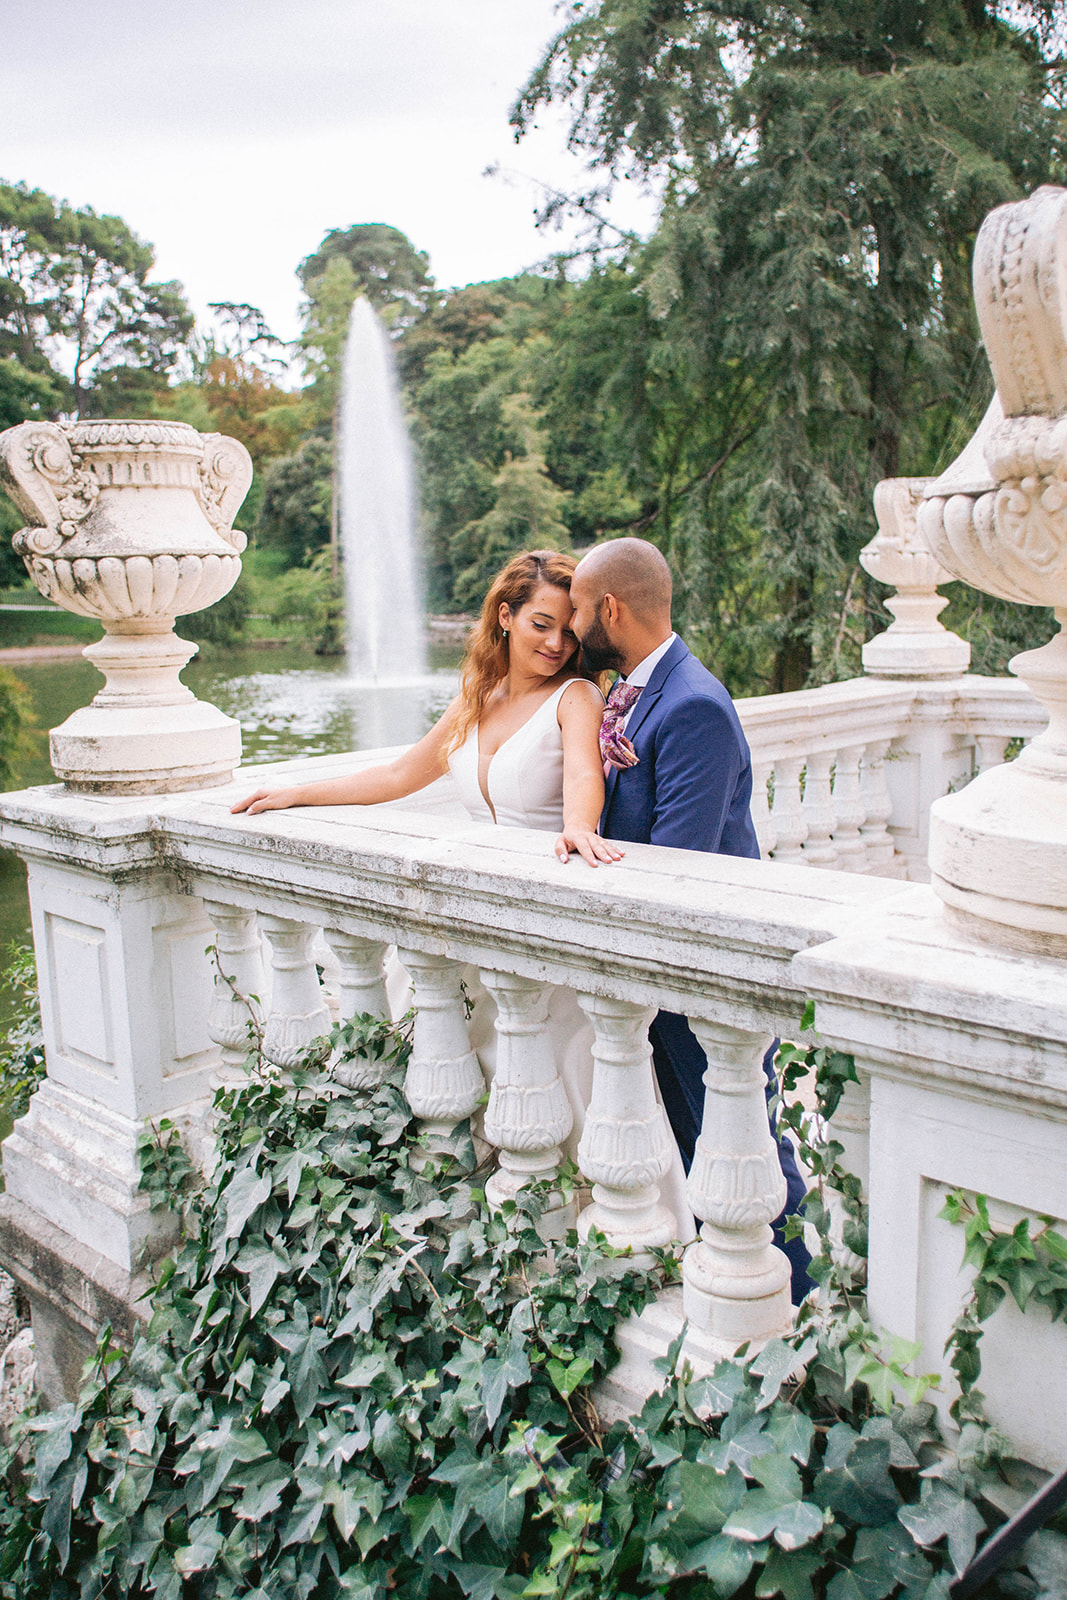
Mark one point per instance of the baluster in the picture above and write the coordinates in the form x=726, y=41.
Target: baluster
x=240, y=982
x=361, y=991
x=879, y=849
x=625, y=1148
x=761, y=811
x=735, y=1282
x=989, y=751
x=819, y=850
x=787, y=813
x=529, y=1115
x=848, y=811
x=298, y=1013
x=444, y=1082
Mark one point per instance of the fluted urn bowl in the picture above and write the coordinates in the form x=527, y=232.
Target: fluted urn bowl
x=131, y=523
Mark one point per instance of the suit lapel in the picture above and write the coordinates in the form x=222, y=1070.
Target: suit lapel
x=647, y=699
x=654, y=687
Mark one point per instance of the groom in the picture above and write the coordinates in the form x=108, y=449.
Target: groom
x=680, y=776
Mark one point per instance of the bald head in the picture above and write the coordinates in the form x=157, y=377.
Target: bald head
x=621, y=593
x=635, y=572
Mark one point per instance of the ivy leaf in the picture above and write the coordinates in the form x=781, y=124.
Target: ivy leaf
x=304, y=1366
x=789, y=1574
x=64, y=1496
x=775, y=1364
x=568, y=1376
x=793, y=1523
x=792, y=1433
x=698, y=1499
x=724, y=1561
x=264, y=1265
x=860, y=1489
x=1045, y=1557
x=426, y=1514
x=714, y=1396
x=944, y=1513
x=205, y=1542
x=882, y=1559
x=245, y=1193
x=478, y=1582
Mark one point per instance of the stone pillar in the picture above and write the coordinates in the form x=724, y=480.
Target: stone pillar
x=238, y=1005
x=762, y=820
x=878, y=849
x=787, y=813
x=361, y=993
x=299, y=1014
x=848, y=811
x=444, y=1082
x=529, y=1115
x=626, y=1143
x=819, y=848
x=126, y=989
x=735, y=1283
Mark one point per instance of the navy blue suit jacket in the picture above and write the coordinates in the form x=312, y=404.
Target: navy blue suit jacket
x=693, y=784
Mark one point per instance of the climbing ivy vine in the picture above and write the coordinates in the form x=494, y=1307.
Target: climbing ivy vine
x=359, y=1381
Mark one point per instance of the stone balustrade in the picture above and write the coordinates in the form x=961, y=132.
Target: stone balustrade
x=844, y=776
x=964, y=1062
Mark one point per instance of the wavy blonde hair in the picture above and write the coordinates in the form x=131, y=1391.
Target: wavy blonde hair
x=485, y=665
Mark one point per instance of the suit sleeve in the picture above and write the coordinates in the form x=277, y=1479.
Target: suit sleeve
x=698, y=764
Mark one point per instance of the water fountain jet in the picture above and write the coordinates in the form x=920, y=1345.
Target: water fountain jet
x=383, y=584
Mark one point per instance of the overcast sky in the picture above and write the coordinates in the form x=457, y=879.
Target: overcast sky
x=231, y=134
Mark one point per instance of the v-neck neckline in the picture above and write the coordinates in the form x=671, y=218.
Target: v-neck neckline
x=489, y=764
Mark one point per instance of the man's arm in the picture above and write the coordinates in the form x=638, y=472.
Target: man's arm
x=698, y=764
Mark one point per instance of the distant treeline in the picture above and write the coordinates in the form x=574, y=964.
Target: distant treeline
x=799, y=325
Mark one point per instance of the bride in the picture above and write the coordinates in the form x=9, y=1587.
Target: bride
x=521, y=739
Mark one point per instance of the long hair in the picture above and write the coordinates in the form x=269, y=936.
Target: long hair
x=485, y=664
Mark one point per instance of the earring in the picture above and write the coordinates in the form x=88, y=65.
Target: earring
x=505, y=632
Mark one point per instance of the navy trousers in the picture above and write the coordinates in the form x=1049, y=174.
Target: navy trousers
x=680, y=1066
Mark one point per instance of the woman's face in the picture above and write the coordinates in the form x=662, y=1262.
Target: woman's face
x=540, y=638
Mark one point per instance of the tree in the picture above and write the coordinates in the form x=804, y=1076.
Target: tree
x=823, y=169
x=295, y=515
x=79, y=314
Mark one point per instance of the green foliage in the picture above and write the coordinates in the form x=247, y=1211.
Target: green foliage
x=803, y=323
x=16, y=721
x=360, y=1381
x=22, y=1064
x=295, y=513
x=1027, y=1261
x=81, y=318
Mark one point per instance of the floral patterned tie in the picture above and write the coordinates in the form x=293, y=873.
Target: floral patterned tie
x=613, y=744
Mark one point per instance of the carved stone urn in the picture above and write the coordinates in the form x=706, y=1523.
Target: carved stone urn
x=916, y=644
x=998, y=519
x=132, y=523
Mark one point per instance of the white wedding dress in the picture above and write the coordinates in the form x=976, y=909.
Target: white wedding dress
x=524, y=781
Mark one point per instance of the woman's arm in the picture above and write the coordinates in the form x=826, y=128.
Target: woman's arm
x=393, y=780
x=579, y=713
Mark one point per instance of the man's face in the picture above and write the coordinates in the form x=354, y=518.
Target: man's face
x=601, y=654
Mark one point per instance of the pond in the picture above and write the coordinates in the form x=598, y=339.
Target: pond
x=288, y=702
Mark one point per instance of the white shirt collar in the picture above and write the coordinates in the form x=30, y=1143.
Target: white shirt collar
x=644, y=669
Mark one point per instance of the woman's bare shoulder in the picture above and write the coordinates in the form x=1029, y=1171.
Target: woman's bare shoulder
x=579, y=690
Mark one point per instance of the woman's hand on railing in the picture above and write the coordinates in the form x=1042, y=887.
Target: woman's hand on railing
x=589, y=845
x=268, y=800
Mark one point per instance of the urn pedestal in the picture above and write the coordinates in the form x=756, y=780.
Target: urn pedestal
x=131, y=523
x=998, y=519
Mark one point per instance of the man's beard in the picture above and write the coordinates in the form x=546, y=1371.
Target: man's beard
x=598, y=652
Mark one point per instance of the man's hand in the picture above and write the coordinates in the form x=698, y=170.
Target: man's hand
x=589, y=845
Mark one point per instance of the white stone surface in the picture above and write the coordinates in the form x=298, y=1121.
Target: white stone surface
x=916, y=644
x=998, y=519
